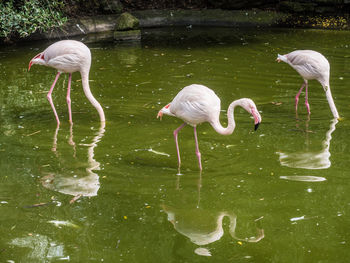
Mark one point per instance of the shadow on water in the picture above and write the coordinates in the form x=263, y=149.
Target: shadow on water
x=194, y=36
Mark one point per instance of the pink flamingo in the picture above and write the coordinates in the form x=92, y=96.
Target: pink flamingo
x=195, y=104
x=310, y=65
x=68, y=56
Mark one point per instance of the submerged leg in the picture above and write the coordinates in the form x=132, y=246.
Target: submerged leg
x=297, y=96
x=197, y=149
x=306, y=98
x=177, y=144
x=54, y=144
x=71, y=140
x=68, y=98
x=50, y=98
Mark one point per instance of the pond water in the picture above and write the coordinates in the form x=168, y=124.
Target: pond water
x=94, y=193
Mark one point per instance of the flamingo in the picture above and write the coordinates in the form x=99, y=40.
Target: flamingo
x=195, y=104
x=310, y=65
x=68, y=56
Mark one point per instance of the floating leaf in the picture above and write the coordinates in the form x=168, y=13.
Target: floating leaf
x=276, y=103
x=37, y=205
x=75, y=198
x=297, y=218
x=59, y=223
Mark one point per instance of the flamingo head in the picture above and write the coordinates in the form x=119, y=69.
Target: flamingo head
x=281, y=58
x=165, y=110
x=36, y=60
x=278, y=58
x=250, y=107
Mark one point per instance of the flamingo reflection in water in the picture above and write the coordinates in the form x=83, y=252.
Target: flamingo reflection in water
x=203, y=227
x=77, y=184
x=310, y=159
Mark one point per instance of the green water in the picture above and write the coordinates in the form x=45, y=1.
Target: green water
x=280, y=194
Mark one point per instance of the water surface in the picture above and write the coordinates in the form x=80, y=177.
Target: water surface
x=92, y=193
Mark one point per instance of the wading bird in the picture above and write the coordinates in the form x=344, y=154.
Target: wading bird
x=68, y=56
x=195, y=104
x=310, y=65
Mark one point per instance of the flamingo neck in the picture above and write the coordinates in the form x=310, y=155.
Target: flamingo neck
x=91, y=98
x=327, y=142
x=331, y=101
x=231, y=121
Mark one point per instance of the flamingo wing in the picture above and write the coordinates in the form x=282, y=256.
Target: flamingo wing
x=195, y=104
x=192, y=112
x=65, y=63
x=307, y=70
x=310, y=64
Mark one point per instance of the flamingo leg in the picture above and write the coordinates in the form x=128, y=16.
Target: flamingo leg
x=50, y=98
x=69, y=102
x=197, y=149
x=177, y=143
x=297, y=96
x=306, y=98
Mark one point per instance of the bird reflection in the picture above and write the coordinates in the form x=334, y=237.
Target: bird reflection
x=199, y=185
x=70, y=140
x=310, y=159
x=39, y=248
x=77, y=183
x=203, y=227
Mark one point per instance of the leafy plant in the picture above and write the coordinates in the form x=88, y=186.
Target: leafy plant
x=20, y=19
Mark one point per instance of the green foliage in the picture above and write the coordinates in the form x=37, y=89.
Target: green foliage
x=24, y=18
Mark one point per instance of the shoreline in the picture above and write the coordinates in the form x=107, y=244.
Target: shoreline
x=208, y=17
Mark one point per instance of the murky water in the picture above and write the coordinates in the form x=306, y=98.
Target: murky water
x=88, y=193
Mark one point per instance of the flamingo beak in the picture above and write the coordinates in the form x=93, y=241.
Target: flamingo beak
x=40, y=55
x=160, y=115
x=256, y=126
x=257, y=119
x=278, y=59
x=30, y=64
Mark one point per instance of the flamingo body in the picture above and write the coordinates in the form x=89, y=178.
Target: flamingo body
x=196, y=104
x=310, y=65
x=68, y=56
